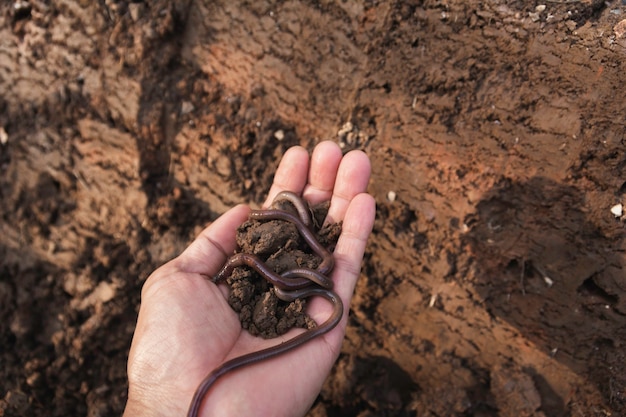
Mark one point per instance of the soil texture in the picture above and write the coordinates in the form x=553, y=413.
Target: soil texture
x=494, y=282
x=280, y=246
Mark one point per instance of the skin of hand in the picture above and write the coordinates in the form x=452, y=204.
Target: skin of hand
x=186, y=328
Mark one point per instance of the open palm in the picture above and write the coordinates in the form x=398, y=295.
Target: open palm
x=186, y=328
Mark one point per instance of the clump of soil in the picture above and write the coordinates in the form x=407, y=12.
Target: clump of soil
x=279, y=244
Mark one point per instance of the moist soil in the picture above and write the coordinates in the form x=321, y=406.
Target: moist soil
x=281, y=248
x=493, y=283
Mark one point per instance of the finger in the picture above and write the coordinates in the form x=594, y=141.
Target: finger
x=291, y=174
x=208, y=252
x=325, y=161
x=353, y=176
x=348, y=254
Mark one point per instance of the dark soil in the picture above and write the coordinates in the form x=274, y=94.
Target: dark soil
x=493, y=283
x=279, y=245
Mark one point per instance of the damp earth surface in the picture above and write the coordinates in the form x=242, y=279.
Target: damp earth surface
x=493, y=283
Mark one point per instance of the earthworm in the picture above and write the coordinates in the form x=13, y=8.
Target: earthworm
x=276, y=350
x=311, y=275
x=292, y=279
x=300, y=205
x=327, y=258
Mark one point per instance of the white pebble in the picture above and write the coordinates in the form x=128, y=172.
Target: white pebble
x=617, y=210
x=620, y=29
x=279, y=135
x=433, y=300
x=4, y=137
x=540, y=8
x=186, y=107
x=391, y=196
x=345, y=129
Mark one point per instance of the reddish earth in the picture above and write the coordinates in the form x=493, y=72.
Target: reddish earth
x=493, y=283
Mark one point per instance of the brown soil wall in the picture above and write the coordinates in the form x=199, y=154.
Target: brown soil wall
x=493, y=283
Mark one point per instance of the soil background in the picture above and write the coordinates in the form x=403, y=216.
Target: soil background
x=493, y=283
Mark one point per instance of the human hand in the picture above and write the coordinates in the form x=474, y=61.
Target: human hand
x=186, y=328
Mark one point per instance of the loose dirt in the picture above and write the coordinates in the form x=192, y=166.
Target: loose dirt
x=493, y=283
x=280, y=246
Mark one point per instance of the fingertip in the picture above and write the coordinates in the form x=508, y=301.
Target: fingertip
x=296, y=151
x=326, y=148
x=291, y=174
x=356, y=164
x=353, y=177
x=325, y=161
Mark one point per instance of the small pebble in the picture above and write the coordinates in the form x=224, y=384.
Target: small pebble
x=617, y=210
x=620, y=29
x=4, y=137
x=391, y=196
x=433, y=300
x=186, y=107
x=571, y=25
x=34, y=379
x=540, y=8
x=136, y=11
x=279, y=135
x=345, y=129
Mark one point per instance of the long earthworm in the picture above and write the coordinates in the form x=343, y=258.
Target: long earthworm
x=299, y=204
x=276, y=350
x=292, y=279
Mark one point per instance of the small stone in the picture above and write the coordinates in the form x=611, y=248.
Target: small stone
x=391, y=196
x=104, y=292
x=279, y=135
x=135, y=10
x=186, y=107
x=433, y=300
x=617, y=210
x=620, y=29
x=345, y=129
x=534, y=16
x=571, y=25
x=223, y=166
x=34, y=379
x=4, y=137
x=540, y=8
